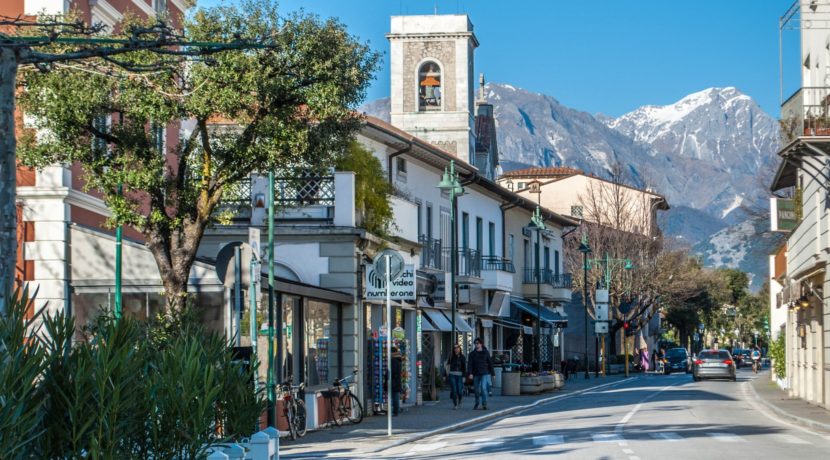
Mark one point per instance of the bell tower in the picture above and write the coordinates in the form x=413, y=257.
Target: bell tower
x=431, y=61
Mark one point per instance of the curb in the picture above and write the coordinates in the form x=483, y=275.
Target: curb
x=795, y=418
x=491, y=416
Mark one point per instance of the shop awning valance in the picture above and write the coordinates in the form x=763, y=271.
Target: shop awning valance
x=500, y=305
x=548, y=316
x=427, y=326
x=461, y=325
x=438, y=320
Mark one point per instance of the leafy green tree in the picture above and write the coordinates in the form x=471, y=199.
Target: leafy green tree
x=372, y=190
x=288, y=103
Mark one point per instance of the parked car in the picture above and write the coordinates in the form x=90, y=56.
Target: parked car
x=677, y=360
x=714, y=364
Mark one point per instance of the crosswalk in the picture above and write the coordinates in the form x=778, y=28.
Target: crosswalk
x=559, y=440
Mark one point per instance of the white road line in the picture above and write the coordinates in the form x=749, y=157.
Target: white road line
x=790, y=439
x=487, y=442
x=726, y=437
x=628, y=451
x=427, y=447
x=548, y=440
x=633, y=458
x=667, y=436
x=607, y=437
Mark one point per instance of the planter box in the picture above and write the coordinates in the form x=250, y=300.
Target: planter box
x=510, y=384
x=531, y=385
x=548, y=382
x=559, y=381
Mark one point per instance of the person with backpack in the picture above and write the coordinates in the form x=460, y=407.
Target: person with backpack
x=480, y=369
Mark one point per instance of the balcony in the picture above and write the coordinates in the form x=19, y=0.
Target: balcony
x=468, y=269
x=806, y=114
x=430, y=253
x=553, y=287
x=497, y=273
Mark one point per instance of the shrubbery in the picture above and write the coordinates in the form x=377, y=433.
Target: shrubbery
x=125, y=389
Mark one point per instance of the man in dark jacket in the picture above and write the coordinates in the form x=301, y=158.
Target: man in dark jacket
x=480, y=368
x=456, y=367
x=397, y=385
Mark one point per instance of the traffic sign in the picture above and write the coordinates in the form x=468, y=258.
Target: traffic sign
x=396, y=265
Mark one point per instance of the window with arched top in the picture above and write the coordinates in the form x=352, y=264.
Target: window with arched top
x=429, y=86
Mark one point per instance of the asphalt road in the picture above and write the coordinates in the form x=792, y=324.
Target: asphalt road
x=651, y=417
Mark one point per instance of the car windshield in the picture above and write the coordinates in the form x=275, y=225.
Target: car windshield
x=676, y=353
x=719, y=354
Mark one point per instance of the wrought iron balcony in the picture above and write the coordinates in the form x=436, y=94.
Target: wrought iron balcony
x=469, y=262
x=497, y=263
x=546, y=276
x=236, y=200
x=430, y=252
x=806, y=113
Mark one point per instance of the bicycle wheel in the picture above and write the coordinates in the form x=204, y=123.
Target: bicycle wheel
x=291, y=415
x=335, y=405
x=355, y=415
x=299, y=420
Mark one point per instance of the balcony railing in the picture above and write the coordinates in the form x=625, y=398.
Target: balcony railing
x=469, y=261
x=430, y=253
x=304, y=190
x=559, y=281
x=497, y=263
x=236, y=200
x=806, y=113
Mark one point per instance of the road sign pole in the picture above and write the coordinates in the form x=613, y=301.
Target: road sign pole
x=237, y=289
x=388, y=347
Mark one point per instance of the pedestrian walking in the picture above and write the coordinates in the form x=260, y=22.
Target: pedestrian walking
x=564, y=367
x=480, y=369
x=456, y=366
x=396, y=381
x=644, y=359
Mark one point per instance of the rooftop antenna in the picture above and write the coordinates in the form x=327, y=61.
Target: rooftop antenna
x=436, y=7
x=481, y=86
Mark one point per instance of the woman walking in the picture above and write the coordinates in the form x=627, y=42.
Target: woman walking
x=456, y=365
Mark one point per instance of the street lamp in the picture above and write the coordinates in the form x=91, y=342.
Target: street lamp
x=537, y=223
x=610, y=264
x=585, y=250
x=450, y=184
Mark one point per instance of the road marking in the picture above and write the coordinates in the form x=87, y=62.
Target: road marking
x=427, y=447
x=633, y=458
x=607, y=437
x=667, y=436
x=628, y=451
x=726, y=437
x=487, y=442
x=790, y=439
x=548, y=440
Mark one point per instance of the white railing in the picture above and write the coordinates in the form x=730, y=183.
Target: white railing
x=264, y=445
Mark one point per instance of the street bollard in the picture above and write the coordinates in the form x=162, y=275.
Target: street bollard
x=262, y=446
x=235, y=452
x=275, y=438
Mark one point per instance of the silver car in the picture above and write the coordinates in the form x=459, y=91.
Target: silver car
x=714, y=364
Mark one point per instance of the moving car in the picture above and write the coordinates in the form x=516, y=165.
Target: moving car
x=714, y=364
x=742, y=357
x=677, y=360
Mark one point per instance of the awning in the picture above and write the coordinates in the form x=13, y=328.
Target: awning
x=486, y=323
x=461, y=325
x=426, y=326
x=508, y=324
x=500, y=305
x=548, y=315
x=438, y=320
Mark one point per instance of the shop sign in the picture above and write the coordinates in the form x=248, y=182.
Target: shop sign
x=403, y=288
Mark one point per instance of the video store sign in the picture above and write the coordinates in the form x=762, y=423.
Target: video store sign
x=403, y=288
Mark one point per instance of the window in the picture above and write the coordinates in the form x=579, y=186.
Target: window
x=420, y=217
x=321, y=355
x=465, y=231
x=429, y=86
x=401, y=167
x=576, y=211
x=491, y=227
x=547, y=258
x=511, y=241
x=479, y=235
x=520, y=186
x=160, y=7
x=429, y=221
x=556, y=262
x=528, y=262
x=157, y=136
x=100, y=124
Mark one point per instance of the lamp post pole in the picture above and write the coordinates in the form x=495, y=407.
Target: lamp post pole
x=272, y=396
x=539, y=225
x=449, y=183
x=585, y=250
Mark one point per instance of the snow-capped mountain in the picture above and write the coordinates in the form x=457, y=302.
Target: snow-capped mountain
x=711, y=154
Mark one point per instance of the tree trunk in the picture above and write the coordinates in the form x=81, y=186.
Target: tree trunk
x=8, y=169
x=174, y=252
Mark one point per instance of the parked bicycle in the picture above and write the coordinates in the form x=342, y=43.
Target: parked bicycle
x=293, y=405
x=344, y=403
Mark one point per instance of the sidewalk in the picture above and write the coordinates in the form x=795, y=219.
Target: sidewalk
x=418, y=422
x=790, y=409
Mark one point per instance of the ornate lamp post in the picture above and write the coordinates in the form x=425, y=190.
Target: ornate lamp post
x=538, y=224
x=610, y=264
x=450, y=184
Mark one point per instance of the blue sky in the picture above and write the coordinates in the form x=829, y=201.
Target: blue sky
x=608, y=56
